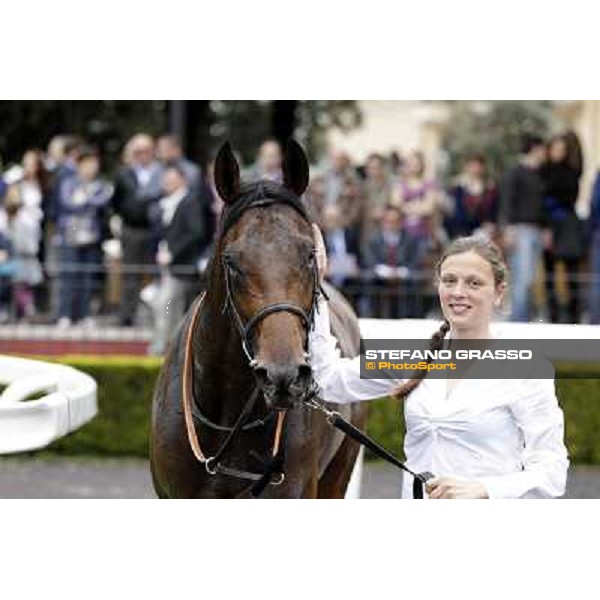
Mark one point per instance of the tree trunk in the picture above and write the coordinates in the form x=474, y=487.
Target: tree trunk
x=283, y=120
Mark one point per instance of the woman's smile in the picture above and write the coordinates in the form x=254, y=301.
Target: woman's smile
x=468, y=294
x=459, y=308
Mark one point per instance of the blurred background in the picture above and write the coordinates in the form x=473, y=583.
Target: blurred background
x=108, y=214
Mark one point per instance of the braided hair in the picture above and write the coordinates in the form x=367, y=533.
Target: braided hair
x=489, y=251
x=436, y=343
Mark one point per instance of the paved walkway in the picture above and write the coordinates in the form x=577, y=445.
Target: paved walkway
x=127, y=478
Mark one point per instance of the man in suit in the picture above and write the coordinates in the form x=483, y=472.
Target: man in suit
x=392, y=257
x=137, y=189
x=170, y=154
x=184, y=238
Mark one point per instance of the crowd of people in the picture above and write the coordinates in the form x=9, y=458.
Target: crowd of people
x=383, y=222
x=58, y=214
x=386, y=223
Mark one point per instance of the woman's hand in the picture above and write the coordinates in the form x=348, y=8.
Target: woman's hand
x=321, y=252
x=446, y=488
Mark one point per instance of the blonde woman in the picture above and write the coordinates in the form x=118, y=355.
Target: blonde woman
x=482, y=438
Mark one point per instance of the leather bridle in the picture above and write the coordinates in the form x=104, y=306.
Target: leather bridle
x=263, y=194
x=245, y=329
x=213, y=464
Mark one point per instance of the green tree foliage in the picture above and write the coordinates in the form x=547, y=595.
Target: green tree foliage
x=316, y=117
x=246, y=123
x=109, y=123
x=493, y=129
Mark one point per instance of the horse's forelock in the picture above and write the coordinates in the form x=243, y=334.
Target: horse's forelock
x=260, y=193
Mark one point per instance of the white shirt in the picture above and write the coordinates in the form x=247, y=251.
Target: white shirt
x=143, y=174
x=169, y=205
x=31, y=196
x=506, y=434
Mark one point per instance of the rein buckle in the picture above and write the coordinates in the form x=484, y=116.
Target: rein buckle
x=210, y=470
x=280, y=479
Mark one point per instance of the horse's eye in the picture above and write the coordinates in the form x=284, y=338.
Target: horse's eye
x=237, y=271
x=230, y=262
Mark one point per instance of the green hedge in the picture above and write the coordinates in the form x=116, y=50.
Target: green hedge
x=125, y=386
x=125, y=393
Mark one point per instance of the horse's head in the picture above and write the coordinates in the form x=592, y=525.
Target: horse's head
x=266, y=253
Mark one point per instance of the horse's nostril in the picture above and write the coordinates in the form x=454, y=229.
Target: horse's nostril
x=304, y=373
x=283, y=384
x=262, y=375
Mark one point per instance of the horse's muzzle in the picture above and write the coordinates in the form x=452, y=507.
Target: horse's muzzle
x=284, y=385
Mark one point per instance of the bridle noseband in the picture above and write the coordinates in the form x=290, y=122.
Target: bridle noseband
x=263, y=194
x=266, y=195
x=246, y=329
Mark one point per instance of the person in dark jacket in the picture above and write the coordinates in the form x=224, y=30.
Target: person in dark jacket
x=526, y=233
x=561, y=188
x=62, y=158
x=392, y=258
x=475, y=201
x=137, y=188
x=185, y=236
x=169, y=153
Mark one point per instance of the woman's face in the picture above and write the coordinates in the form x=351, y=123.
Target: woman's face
x=89, y=168
x=467, y=291
x=30, y=164
x=558, y=150
x=474, y=169
x=414, y=165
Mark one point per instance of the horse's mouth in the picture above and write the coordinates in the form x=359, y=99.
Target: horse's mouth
x=282, y=390
x=282, y=401
x=280, y=404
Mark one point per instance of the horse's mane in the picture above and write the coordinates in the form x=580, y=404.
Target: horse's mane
x=260, y=193
x=254, y=194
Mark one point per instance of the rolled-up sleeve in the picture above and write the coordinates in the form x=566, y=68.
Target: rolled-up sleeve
x=544, y=456
x=338, y=377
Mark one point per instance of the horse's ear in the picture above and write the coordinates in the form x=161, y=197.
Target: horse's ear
x=227, y=174
x=295, y=168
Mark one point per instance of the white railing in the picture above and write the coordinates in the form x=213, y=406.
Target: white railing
x=353, y=490
x=65, y=399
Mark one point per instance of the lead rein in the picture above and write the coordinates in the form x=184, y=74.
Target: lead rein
x=335, y=419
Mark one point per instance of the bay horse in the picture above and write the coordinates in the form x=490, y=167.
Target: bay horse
x=227, y=417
